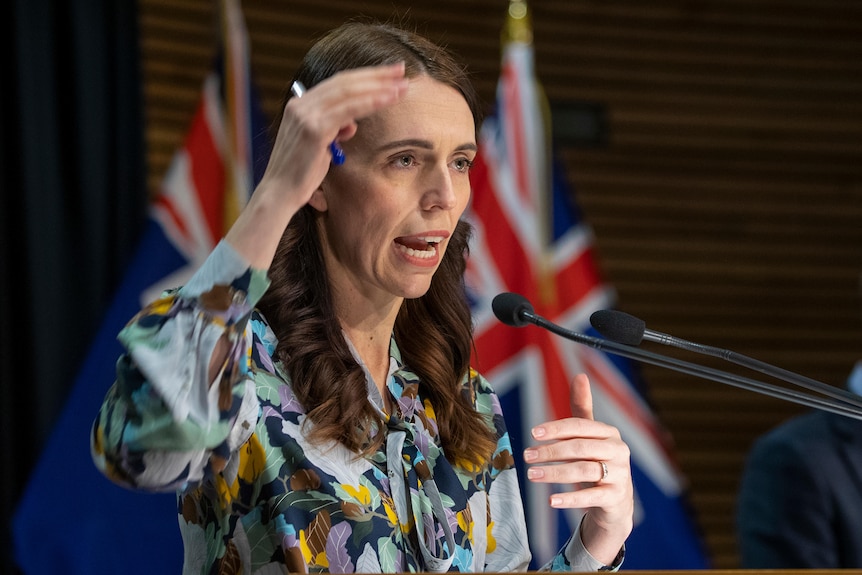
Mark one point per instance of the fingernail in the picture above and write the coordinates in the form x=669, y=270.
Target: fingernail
x=535, y=473
x=539, y=432
x=556, y=501
x=530, y=455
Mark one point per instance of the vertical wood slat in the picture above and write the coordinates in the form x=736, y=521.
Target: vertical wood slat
x=727, y=203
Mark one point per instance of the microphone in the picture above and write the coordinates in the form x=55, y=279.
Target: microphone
x=627, y=329
x=514, y=310
x=511, y=309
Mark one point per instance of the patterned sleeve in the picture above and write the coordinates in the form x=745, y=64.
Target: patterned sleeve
x=508, y=528
x=171, y=417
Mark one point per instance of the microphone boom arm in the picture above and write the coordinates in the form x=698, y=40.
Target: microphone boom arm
x=696, y=370
x=756, y=365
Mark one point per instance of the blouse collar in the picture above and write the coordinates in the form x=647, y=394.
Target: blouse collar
x=394, y=365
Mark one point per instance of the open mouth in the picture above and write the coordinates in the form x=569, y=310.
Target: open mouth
x=419, y=247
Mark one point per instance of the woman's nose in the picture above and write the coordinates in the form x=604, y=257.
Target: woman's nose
x=441, y=191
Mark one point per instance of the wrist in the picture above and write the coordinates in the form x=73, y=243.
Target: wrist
x=605, y=544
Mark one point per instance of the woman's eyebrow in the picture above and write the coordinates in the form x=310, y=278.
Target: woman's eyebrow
x=424, y=144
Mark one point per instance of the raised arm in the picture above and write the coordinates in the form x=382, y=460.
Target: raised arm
x=183, y=399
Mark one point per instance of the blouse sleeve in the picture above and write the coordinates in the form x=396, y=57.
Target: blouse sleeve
x=510, y=551
x=171, y=417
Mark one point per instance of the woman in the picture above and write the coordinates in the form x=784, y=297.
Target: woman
x=308, y=392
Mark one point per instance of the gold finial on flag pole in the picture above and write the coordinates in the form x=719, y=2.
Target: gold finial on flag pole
x=518, y=27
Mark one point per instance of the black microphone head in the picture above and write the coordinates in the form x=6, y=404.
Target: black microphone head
x=618, y=326
x=508, y=308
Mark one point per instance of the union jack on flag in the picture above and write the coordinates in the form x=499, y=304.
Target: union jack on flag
x=529, y=239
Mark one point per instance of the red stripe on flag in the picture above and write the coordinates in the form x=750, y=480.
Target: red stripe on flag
x=207, y=171
x=501, y=343
x=573, y=279
x=556, y=378
x=163, y=202
x=514, y=122
x=505, y=247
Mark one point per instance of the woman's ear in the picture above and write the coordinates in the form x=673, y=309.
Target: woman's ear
x=318, y=199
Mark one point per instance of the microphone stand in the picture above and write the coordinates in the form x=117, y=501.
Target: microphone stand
x=627, y=329
x=696, y=370
x=756, y=365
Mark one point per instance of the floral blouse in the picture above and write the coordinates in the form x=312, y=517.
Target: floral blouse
x=254, y=496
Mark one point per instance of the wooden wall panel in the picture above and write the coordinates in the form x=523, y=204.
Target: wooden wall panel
x=726, y=203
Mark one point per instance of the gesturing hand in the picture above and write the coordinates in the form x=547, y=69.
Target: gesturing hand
x=300, y=157
x=592, y=456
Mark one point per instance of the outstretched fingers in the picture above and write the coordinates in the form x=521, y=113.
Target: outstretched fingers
x=303, y=150
x=588, y=454
x=325, y=113
x=332, y=108
x=590, y=457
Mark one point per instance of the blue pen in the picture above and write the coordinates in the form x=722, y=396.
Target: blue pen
x=297, y=89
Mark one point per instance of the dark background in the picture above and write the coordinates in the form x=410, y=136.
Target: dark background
x=74, y=196
x=725, y=191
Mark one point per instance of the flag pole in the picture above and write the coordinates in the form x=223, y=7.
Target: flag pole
x=518, y=34
x=235, y=59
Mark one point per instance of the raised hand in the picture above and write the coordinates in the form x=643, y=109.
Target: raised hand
x=301, y=156
x=592, y=457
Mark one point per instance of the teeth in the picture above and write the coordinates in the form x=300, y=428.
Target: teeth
x=432, y=239
x=425, y=254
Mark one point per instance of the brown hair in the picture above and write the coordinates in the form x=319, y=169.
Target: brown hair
x=434, y=331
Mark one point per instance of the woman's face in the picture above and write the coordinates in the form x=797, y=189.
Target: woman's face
x=388, y=212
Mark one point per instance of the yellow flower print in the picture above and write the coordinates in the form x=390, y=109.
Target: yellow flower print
x=465, y=522
x=429, y=409
x=251, y=462
x=389, y=507
x=492, y=542
x=312, y=558
x=252, y=458
x=361, y=494
x=303, y=546
x=390, y=511
x=468, y=466
x=160, y=306
x=226, y=493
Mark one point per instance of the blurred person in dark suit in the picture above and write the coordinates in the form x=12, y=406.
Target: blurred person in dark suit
x=800, y=498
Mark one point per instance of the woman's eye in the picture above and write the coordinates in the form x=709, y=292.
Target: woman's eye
x=404, y=161
x=463, y=164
